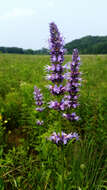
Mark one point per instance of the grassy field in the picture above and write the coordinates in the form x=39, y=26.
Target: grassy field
x=25, y=163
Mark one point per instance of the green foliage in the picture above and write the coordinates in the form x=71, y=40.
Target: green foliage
x=27, y=159
x=89, y=45
x=16, y=50
x=88, y=167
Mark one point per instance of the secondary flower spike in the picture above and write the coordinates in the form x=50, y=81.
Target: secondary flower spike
x=62, y=138
x=74, y=79
x=38, y=97
x=72, y=85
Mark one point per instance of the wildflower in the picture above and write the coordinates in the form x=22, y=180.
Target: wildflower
x=38, y=99
x=62, y=138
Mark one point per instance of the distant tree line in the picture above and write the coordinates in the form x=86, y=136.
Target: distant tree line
x=85, y=45
x=17, y=50
x=89, y=45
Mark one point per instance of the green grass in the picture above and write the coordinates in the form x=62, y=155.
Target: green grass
x=17, y=70
x=28, y=163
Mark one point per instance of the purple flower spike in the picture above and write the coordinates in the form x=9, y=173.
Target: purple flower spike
x=37, y=96
x=62, y=138
x=38, y=99
x=56, y=69
x=57, y=58
x=72, y=86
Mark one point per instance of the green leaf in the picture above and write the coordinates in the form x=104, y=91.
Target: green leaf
x=1, y=184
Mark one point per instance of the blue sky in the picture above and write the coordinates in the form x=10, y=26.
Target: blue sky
x=25, y=23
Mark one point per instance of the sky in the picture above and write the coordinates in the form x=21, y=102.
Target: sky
x=25, y=23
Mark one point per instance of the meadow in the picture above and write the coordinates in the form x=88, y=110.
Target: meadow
x=27, y=160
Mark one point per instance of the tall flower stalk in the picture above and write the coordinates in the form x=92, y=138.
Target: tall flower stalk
x=57, y=89
x=56, y=69
x=56, y=76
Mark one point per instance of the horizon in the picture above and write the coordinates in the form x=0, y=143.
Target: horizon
x=48, y=48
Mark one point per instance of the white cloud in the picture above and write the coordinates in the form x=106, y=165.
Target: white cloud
x=17, y=12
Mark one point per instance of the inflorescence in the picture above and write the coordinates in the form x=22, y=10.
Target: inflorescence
x=56, y=76
x=74, y=79
x=56, y=69
x=38, y=97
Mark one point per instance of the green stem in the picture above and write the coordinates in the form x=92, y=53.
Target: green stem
x=62, y=150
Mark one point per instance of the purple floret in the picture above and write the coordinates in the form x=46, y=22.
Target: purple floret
x=71, y=117
x=62, y=138
x=39, y=122
x=54, y=105
x=40, y=109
